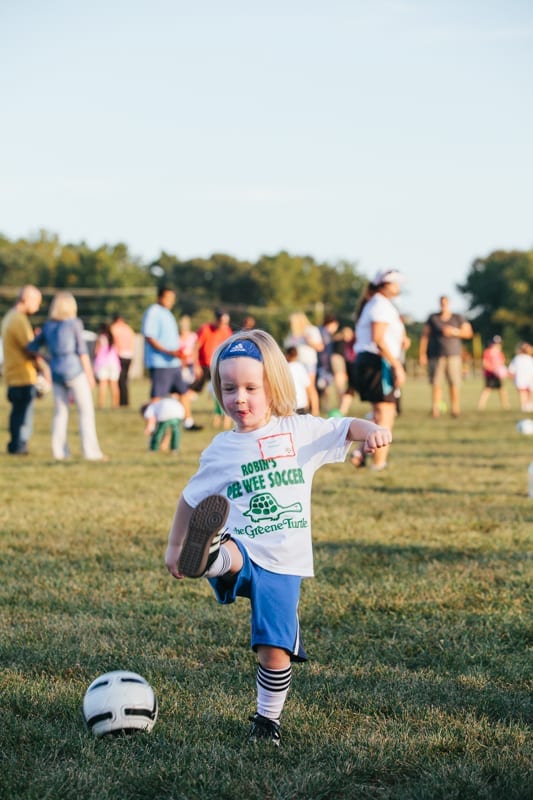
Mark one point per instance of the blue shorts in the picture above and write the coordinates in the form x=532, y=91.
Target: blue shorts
x=167, y=380
x=274, y=600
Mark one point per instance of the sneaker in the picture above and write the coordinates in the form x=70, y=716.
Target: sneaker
x=204, y=534
x=264, y=728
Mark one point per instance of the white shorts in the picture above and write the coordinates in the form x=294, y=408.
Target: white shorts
x=107, y=374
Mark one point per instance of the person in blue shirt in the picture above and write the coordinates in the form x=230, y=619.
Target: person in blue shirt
x=161, y=347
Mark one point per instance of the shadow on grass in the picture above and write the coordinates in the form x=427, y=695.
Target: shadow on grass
x=396, y=692
x=385, y=554
x=427, y=491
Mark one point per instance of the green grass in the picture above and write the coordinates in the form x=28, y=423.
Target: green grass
x=417, y=623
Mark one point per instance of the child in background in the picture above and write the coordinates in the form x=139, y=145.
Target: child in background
x=494, y=373
x=301, y=379
x=521, y=371
x=106, y=366
x=256, y=480
x=186, y=352
x=163, y=417
x=220, y=418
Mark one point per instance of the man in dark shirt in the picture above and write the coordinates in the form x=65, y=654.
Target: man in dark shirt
x=441, y=352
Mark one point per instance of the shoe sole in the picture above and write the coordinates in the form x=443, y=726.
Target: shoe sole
x=207, y=519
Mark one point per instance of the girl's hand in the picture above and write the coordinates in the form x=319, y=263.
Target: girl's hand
x=381, y=437
x=171, y=560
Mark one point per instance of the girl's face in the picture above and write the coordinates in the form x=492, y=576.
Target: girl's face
x=244, y=392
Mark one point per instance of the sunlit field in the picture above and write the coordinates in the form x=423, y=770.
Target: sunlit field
x=417, y=624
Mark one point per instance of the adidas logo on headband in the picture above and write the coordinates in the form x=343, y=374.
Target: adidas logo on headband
x=242, y=347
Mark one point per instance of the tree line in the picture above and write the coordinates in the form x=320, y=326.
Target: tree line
x=109, y=279
x=500, y=292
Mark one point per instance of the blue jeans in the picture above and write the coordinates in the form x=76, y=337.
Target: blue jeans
x=21, y=417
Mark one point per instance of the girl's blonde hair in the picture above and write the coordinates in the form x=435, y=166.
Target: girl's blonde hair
x=63, y=306
x=278, y=379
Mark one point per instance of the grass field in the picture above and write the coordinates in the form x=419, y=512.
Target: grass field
x=417, y=623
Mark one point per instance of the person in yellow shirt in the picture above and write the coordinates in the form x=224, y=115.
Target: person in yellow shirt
x=20, y=371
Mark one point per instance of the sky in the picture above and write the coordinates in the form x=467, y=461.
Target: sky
x=388, y=133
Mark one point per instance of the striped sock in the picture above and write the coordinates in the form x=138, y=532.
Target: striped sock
x=272, y=688
x=220, y=565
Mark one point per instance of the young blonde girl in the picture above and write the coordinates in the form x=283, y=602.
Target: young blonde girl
x=244, y=519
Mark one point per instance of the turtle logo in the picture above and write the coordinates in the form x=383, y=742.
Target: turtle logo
x=264, y=506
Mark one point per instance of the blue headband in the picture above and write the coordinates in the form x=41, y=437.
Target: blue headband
x=242, y=347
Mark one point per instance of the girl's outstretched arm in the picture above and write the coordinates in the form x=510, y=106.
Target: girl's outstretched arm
x=373, y=436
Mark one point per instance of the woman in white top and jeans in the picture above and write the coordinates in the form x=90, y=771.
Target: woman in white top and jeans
x=380, y=334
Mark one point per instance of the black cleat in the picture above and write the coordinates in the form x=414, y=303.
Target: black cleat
x=263, y=728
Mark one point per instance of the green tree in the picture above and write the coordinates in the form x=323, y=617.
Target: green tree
x=28, y=260
x=288, y=281
x=104, y=280
x=500, y=290
x=342, y=287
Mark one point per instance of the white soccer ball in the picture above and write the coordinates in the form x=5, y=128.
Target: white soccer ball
x=525, y=426
x=119, y=701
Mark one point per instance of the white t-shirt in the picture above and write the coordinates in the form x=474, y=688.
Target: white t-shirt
x=380, y=309
x=267, y=476
x=165, y=409
x=302, y=381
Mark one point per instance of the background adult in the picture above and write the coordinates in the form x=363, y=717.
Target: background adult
x=124, y=339
x=347, y=388
x=19, y=370
x=440, y=350
x=249, y=323
x=307, y=339
x=72, y=376
x=325, y=374
x=209, y=336
x=161, y=353
x=379, y=372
